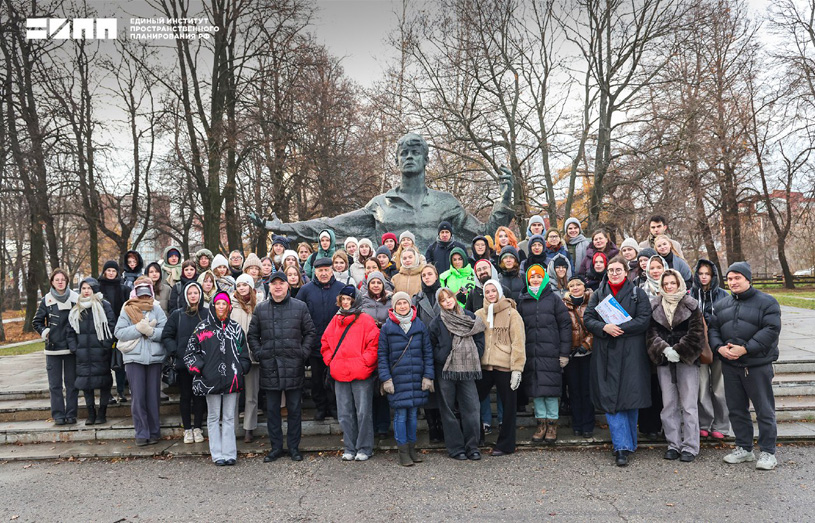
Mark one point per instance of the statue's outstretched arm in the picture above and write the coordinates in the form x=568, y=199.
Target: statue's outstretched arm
x=358, y=223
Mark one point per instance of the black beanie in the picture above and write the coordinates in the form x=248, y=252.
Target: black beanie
x=742, y=268
x=446, y=226
x=560, y=261
x=110, y=264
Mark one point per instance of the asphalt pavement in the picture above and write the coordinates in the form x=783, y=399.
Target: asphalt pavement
x=567, y=485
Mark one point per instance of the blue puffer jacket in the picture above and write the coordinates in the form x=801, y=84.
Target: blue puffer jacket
x=751, y=319
x=417, y=363
x=149, y=350
x=321, y=300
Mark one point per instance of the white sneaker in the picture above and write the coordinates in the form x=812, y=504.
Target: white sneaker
x=740, y=455
x=766, y=461
x=188, y=437
x=361, y=456
x=347, y=456
x=198, y=435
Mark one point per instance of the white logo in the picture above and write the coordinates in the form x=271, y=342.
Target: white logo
x=77, y=29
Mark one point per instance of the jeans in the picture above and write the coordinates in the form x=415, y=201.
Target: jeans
x=547, y=407
x=578, y=371
x=623, y=427
x=404, y=425
x=501, y=379
x=459, y=436
x=59, y=369
x=354, y=400
x=221, y=426
x=745, y=385
x=486, y=408
x=680, y=397
x=713, y=414
x=190, y=403
x=145, y=385
x=274, y=422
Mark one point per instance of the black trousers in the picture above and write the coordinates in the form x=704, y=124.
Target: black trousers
x=323, y=398
x=501, y=379
x=578, y=371
x=274, y=421
x=190, y=403
x=649, y=418
x=745, y=385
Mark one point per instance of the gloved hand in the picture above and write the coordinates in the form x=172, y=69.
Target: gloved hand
x=564, y=360
x=153, y=323
x=461, y=295
x=671, y=355
x=388, y=387
x=143, y=326
x=45, y=333
x=515, y=380
x=427, y=384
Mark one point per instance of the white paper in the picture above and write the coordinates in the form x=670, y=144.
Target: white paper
x=612, y=312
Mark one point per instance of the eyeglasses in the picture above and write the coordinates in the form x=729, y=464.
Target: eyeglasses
x=616, y=271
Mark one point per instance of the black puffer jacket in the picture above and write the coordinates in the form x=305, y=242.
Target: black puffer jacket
x=176, y=334
x=707, y=298
x=281, y=336
x=116, y=293
x=548, y=328
x=92, y=354
x=512, y=281
x=751, y=319
x=321, y=300
x=442, y=341
x=217, y=356
x=177, y=298
x=53, y=315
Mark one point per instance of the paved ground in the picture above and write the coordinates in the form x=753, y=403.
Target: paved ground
x=565, y=485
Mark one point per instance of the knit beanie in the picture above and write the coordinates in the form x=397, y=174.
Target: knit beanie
x=509, y=250
x=407, y=234
x=349, y=290
x=630, y=242
x=219, y=261
x=383, y=250
x=401, y=295
x=289, y=253
x=376, y=275
x=742, y=268
x=93, y=283
x=445, y=226
x=222, y=296
x=389, y=236
x=252, y=260
x=536, y=238
x=348, y=240
x=366, y=241
x=560, y=261
x=535, y=269
x=245, y=278
x=110, y=264
x=647, y=252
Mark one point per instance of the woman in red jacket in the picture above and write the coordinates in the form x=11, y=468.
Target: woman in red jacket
x=349, y=347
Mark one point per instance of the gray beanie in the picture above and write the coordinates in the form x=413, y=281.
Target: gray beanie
x=742, y=268
x=407, y=234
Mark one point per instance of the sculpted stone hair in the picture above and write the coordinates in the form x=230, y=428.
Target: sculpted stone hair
x=412, y=139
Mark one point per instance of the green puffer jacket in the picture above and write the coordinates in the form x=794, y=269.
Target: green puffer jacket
x=460, y=281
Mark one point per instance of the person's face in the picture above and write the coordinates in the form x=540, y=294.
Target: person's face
x=111, y=273
x=483, y=272
x=616, y=273
x=406, y=242
x=221, y=309
x=346, y=302
x=172, y=259
x=628, y=253
x=572, y=230
x=503, y=239
x=235, y=259
x=203, y=261
x=737, y=282
x=278, y=248
x=599, y=265
x=278, y=289
x=303, y=253
x=553, y=237
x=657, y=228
x=364, y=250
x=560, y=271
x=153, y=274
x=370, y=266
x=429, y=276
x=536, y=228
x=663, y=247
x=189, y=272
x=383, y=259
x=576, y=288
x=401, y=307
x=445, y=236
x=411, y=160
x=705, y=275
x=390, y=244
x=447, y=302
x=351, y=248
x=409, y=258
x=457, y=261
x=253, y=271
x=643, y=263
x=266, y=265
x=86, y=291
x=243, y=289
x=509, y=262
x=480, y=247
x=132, y=262
x=325, y=243
x=340, y=265
x=669, y=284
x=292, y=276
x=655, y=270
x=600, y=242
x=291, y=261
x=207, y=284
x=220, y=271
x=193, y=295
x=535, y=280
x=375, y=286
x=323, y=274
x=60, y=282
x=490, y=294
x=536, y=248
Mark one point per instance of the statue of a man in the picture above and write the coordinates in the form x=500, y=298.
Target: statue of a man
x=408, y=206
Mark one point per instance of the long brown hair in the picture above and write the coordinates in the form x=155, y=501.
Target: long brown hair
x=246, y=304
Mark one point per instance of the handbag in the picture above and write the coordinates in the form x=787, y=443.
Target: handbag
x=328, y=381
x=168, y=373
x=117, y=361
x=706, y=358
x=125, y=346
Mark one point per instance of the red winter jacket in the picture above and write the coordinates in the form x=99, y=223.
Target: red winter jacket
x=357, y=357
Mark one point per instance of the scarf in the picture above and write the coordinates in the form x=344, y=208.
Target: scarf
x=404, y=321
x=430, y=292
x=62, y=298
x=652, y=284
x=615, y=287
x=137, y=307
x=463, y=363
x=491, y=306
x=671, y=301
x=577, y=302
x=100, y=319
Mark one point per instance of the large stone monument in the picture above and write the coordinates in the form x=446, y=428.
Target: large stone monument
x=408, y=206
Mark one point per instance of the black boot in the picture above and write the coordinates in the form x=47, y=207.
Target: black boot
x=102, y=417
x=91, y=415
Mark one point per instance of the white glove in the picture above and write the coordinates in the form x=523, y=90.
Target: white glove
x=143, y=326
x=45, y=333
x=515, y=380
x=427, y=384
x=564, y=361
x=388, y=387
x=153, y=323
x=671, y=355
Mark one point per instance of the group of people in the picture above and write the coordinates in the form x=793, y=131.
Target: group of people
x=556, y=320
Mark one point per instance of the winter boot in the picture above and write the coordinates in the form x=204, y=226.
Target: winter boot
x=102, y=417
x=404, y=456
x=537, y=437
x=91, y=415
x=414, y=455
x=551, y=431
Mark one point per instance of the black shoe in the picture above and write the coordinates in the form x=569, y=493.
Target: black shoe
x=141, y=442
x=295, y=455
x=102, y=416
x=578, y=433
x=588, y=435
x=70, y=421
x=497, y=452
x=671, y=454
x=621, y=458
x=333, y=414
x=59, y=422
x=273, y=455
x=320, y=416
x=653, y=436
x=382, y=435
x=460, y=457
x=474, y=456
x=152, y=441
x=230, y=462
x=220, y=463
x=687, y=457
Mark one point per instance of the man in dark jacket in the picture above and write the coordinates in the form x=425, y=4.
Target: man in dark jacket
x=116, y=293
x=439, y=251
x=281, y=337
x=320, y=295
x=744, y=333
x=484, y=271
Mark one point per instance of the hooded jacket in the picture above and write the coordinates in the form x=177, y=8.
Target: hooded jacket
x=356, y=358
x=576, y=246
x=177, y=331
x=553, y=280
x=505, y=342
x=129, y=276
x=460, y=281
x=115, y=292
x=167, y=272
x=217, y=356
x=707, y=298
x=308, y=268
x=513, y=280
x=488, y=253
